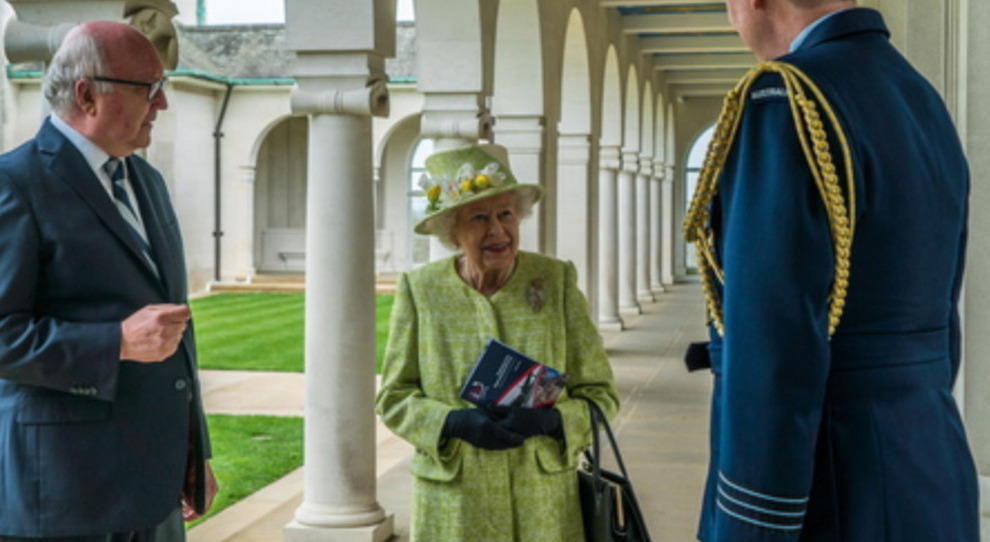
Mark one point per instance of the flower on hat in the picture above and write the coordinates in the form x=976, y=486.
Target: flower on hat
x=445, y=191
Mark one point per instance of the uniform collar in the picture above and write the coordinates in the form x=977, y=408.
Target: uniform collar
x=838, y=24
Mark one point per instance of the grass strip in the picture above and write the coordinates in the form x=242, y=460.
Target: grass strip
x=250, y=452
x=263, y=331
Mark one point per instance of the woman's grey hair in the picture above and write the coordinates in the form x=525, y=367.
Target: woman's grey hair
x=444, y=224
x=80, y=56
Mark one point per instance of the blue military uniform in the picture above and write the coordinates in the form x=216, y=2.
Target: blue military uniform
x=855, y=436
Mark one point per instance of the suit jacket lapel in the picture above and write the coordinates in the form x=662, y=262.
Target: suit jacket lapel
x=65, y=162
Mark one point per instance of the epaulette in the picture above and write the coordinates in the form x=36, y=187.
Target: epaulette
x=805, y=100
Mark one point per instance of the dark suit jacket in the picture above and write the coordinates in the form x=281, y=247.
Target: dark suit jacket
x=857, y=437
x=88, y=444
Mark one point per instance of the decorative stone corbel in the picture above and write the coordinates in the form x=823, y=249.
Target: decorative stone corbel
x=153, y=18
x=370, y=100
x=457, y=125
x=25, y=42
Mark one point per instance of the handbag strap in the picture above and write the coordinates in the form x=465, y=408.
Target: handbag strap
x=598, y=419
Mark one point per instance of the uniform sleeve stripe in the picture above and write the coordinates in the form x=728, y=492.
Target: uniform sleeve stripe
x=758, y=523
x=783, y=500
x=737, y=502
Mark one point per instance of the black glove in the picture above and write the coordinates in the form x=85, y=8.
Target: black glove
x=530, y=422
x=478, y=428
x=697, y=357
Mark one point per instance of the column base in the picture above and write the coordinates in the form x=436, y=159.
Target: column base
x=658, y=288
x=631, y=310
x=380, y=532
x=613, y=324
x=645, y=297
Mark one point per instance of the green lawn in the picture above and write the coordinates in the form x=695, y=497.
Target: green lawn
x=250, y=452
x=262, y=331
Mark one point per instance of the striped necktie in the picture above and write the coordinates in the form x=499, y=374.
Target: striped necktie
x=116, y=169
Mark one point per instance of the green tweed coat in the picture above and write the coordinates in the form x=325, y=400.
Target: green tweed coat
x=439, y=326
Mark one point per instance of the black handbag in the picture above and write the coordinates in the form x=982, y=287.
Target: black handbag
x=608, y=504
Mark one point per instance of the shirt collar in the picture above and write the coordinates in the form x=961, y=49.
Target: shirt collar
x=799, y=40
x=93, y=155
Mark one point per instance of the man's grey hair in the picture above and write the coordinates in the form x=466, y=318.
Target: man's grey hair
x=444, y=224
x=80, y=56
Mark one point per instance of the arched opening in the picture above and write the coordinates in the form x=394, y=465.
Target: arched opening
x=280, y=198
x=419, y=245
x=692, y=169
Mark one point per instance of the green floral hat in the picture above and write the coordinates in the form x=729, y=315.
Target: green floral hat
x=456, y=177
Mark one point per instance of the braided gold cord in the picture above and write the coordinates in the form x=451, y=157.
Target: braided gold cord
x=839, y=204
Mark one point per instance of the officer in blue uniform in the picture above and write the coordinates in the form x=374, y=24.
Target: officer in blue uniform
x=831, y=218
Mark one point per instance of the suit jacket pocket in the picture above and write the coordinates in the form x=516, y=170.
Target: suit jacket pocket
x=38, y=409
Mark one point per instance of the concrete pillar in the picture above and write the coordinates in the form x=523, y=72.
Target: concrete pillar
x=340, y=84
x=628, y=303
x=523, y=137
x=573, y=204
x=656, y=228
x=608, y=248
x=670, y=230
x=643, y=281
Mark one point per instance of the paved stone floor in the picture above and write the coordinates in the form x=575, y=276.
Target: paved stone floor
x=662, y=429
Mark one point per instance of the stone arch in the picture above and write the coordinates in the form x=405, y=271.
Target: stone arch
x=571, y=193
x=394, y=238
x=631, y=125
x=280, y=197
x=611, y=101
x=647, y=129
x=518, y=80
x=518, y=99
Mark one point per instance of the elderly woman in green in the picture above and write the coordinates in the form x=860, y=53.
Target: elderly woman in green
x=504, y=474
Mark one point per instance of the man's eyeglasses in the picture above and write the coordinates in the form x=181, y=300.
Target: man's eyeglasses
x=153, y=87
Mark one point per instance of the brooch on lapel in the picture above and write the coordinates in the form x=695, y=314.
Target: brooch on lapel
x=536, y=295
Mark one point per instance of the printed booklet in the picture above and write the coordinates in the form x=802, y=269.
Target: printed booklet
x=503, y=376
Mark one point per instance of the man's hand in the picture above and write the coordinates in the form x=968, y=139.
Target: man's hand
x=153, y=333
x=189, y=512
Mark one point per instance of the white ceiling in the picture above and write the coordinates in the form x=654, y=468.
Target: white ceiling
x=691, y=42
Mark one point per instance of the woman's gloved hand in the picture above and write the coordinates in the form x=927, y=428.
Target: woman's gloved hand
x=530, y=422
x=477, y=427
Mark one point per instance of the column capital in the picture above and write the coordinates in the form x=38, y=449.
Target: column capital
x=371, y=100
x=520, y=133
x=609, y=157
x=630, y=161
x=646, y=166
x=573, y=148
x=459, y=115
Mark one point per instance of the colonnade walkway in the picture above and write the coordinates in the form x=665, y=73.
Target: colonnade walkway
x=662, y=429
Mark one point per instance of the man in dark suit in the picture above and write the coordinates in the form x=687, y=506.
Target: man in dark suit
x=102, y=432
x=831, y=219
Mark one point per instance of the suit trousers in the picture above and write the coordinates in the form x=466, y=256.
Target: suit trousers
x=170, y=530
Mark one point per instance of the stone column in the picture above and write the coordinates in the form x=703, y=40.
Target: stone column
x=656, y=228
x=340, y=85
x=453, y=120
x=643, y=281
x=669, y=228
x=608, y=247
x=573, y=203
x=627, y=234
x=522, y=135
